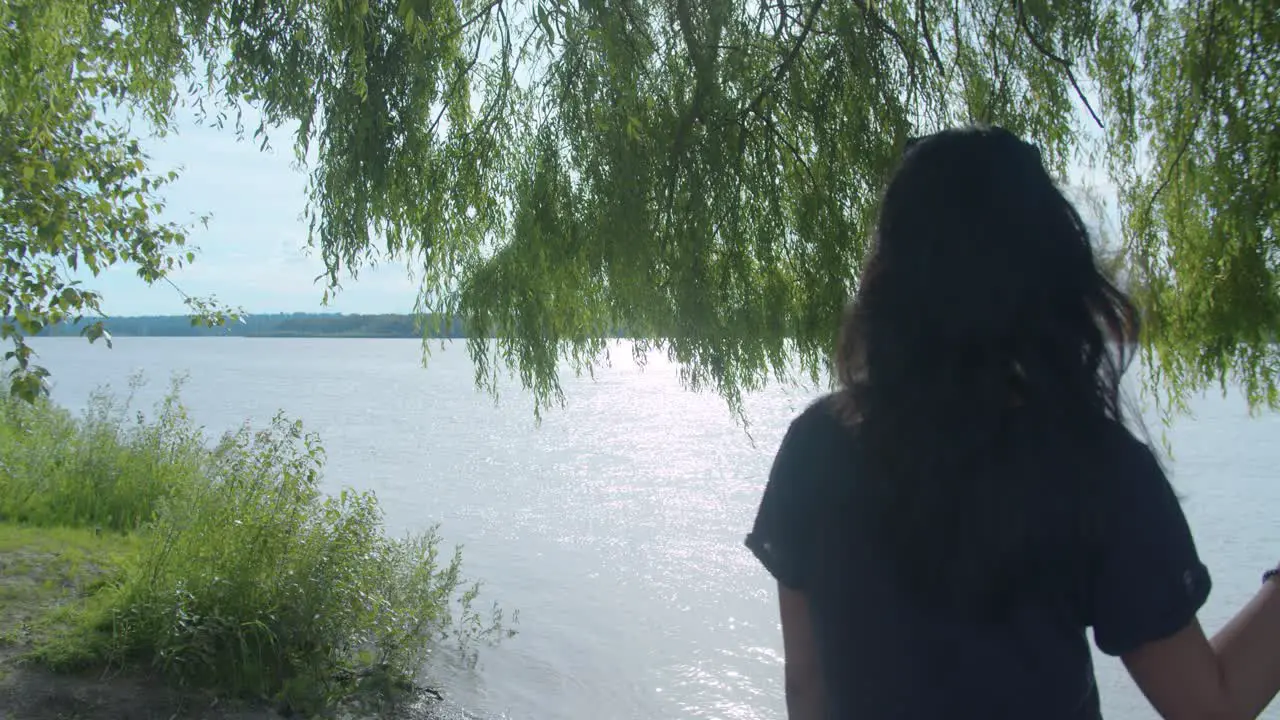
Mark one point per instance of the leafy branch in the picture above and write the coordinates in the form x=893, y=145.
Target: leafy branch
x=1020, y=7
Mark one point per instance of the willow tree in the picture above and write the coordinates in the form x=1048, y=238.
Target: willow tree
x=702, y=174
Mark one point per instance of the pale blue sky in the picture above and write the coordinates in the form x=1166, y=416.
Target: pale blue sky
x=253, y=253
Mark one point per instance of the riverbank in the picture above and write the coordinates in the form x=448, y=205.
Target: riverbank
x=43, y=573
x=147, y=572
x=46, y=572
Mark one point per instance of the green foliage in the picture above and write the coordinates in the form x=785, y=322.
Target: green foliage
x=247, y=579
x=1194, y=89
x=76, y=194
x=705, y=174
x=106, y=470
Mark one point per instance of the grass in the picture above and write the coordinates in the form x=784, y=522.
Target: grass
x=133, y=542
x=43, y=570
x=107, y=469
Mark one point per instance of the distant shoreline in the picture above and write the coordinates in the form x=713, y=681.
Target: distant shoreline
x=290, y=325
x=215, y=336
x=283, y=326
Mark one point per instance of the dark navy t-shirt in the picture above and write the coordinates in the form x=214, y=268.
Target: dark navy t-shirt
x=884, y=657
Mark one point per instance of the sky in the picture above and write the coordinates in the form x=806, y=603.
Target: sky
x=253, y=254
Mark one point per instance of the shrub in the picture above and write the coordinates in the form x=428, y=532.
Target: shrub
x=105, y=469
x=249, y=580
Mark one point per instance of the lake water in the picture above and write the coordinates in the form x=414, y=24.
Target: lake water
x=615, y=527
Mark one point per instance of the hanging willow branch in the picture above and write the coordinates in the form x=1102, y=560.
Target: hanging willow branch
x=701, y=175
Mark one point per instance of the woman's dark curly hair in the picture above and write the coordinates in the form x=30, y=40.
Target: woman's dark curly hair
x=981, y=358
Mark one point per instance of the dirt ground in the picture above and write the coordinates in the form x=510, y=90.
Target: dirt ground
x=39, y=571
x=30, y=694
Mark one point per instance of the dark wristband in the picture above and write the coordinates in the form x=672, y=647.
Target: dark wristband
x=1270, y=575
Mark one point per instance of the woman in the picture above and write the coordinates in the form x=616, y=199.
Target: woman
x=946, y=527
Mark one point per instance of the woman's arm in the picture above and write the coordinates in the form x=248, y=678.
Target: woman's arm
x=803, y=673
x=782, y=538
x=1234, y=677
x=1148, y=587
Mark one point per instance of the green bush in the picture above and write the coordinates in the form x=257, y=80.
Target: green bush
x=105, y=469
x=249, y=581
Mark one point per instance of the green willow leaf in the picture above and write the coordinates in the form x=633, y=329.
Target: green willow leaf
x=700, y=175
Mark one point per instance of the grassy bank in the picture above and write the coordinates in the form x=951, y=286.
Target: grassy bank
x=133, y=543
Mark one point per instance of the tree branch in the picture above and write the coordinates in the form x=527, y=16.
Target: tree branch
x=870, y=14
x=928, y=38
x=1066, y=66
x=483, y=13
x=795, y=151
x=628, y=10
x=508, y=79
x=1001, y=74
x=784, y=67
x=1194, y=121
x=462, y=75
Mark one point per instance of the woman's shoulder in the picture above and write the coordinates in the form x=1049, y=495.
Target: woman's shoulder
x=1130, y=451
x=828, y=416
x=1138, y=473
x=818, y=434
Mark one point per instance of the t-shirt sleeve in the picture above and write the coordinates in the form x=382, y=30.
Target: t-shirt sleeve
x=1148, y=581
x=782, y=535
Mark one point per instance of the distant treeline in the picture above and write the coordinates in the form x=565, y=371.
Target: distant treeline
x=283, y=325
